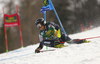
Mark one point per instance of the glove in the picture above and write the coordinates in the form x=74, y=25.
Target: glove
x=37, y=51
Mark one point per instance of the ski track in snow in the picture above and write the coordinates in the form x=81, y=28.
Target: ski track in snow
x=86, y=53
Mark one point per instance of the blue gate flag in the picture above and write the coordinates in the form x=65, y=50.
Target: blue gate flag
x=47, y=6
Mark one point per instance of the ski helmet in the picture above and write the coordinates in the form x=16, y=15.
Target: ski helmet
x=41, y=21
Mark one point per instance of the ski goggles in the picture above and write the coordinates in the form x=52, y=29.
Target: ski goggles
x=39, y=25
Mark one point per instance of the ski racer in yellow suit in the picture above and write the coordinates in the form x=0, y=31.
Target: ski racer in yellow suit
x=51, y=35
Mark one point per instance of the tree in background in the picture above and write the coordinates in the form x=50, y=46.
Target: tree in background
x=85, y=12
x=2, y=40
x=91, y=10
x=29, y=11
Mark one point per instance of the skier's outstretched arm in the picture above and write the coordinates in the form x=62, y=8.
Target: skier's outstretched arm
x=40, y=45
x=39, y=48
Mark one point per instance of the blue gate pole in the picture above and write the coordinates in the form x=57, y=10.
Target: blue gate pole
x=45, y=22
x=45, y=16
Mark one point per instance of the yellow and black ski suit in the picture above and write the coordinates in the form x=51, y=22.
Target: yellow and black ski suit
x=52, y=36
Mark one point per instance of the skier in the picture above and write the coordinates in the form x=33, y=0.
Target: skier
x=51, y=35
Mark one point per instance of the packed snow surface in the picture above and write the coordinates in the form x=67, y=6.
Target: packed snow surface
x=86, y=53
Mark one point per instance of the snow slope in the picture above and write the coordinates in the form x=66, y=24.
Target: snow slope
x=86, y=53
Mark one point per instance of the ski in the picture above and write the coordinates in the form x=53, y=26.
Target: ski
x=78, y=41
x=47, y=50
